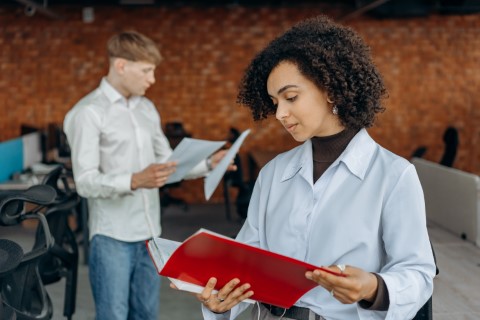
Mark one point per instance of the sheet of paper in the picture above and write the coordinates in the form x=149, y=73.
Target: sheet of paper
x=213, y=179
x=189, y=153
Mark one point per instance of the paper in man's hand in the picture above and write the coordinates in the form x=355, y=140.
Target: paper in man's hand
x=212, y=180
x=189, y=153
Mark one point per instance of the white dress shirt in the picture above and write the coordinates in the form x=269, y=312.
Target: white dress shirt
x=367, y=210
x=111, y=138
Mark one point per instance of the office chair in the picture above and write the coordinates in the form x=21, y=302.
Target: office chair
x=62, y=259
x=419, y=152
x=450, y=138
x=235, y=179
x=10, y=256
x=175, y=132
x=22, y=292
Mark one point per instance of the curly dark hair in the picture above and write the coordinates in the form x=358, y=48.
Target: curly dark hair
x=333, y=57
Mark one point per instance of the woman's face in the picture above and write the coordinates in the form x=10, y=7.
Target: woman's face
x=302, y=107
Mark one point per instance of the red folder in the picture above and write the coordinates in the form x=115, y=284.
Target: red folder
x=275, y=279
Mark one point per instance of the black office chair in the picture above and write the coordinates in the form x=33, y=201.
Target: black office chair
x=419, y=152
x=235, y=179
x=62, y=259
x=22, y=292
x=11, y=255
x=450, y=138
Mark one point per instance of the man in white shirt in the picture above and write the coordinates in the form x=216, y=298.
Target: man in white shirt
x=118, y=158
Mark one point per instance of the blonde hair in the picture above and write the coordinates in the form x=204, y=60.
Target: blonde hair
x=133, y=46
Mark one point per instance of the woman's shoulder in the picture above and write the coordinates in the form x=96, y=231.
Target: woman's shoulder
x=392, y=161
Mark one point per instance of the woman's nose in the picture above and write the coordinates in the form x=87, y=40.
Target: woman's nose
x=281, y=112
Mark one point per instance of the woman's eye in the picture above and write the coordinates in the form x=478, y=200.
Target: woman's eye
x=291, y=99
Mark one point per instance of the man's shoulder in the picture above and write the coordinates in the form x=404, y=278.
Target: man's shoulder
x=95, y=102
x=94, y=98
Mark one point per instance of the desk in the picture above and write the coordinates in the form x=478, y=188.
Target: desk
x=257, y=159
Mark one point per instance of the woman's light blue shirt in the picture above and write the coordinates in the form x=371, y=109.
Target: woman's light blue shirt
x=367, y=210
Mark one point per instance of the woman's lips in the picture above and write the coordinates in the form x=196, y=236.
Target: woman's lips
x=290, y=127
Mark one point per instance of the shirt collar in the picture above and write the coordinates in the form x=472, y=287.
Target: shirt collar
x=114, y=96
x=356, y=157
x=359, y=153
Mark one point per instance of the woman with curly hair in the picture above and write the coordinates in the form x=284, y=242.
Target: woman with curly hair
x=339, y=199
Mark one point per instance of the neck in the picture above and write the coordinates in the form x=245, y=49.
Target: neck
x=325, y=150
x=115, y=82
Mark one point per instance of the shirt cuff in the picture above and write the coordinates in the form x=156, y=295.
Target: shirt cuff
x=382, y=301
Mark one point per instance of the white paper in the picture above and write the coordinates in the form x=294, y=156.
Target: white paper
x=213, y=179
x=162, y=249
x=189, y=153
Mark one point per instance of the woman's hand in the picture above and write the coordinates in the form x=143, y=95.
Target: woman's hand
x=226, y=298
x=355, y=286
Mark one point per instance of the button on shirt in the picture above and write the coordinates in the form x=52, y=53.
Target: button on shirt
x=112, y=137
x=367, y=210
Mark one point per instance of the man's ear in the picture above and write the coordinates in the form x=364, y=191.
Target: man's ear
x=119, y=65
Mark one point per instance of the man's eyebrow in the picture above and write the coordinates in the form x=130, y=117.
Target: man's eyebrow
x=288, y=86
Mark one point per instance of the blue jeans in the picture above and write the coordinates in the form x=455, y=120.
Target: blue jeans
x=125, y=283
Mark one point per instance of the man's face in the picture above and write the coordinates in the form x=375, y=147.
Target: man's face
x=136, y=77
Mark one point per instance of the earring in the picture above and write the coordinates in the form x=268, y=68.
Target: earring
x=335, y=110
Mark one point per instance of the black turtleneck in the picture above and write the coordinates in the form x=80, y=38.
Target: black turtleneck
x=326, y=150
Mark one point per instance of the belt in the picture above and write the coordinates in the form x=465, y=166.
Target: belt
x=297, y=313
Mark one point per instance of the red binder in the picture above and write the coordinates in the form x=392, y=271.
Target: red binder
x=275, y=279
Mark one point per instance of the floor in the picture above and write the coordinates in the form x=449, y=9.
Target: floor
x=456, y=294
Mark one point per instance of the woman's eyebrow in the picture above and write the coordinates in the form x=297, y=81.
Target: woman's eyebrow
x=282, y=89
x=288, y=86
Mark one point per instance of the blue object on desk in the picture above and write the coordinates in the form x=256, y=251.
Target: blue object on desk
x=11, y=158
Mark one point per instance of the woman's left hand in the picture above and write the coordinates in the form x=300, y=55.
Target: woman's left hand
x=355, y=286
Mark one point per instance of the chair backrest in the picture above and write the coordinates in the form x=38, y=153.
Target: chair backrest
x=11, y=255
x=22, y=289
x=175, y=132
x=450, y=138
x=426, y=312
x=62, y=260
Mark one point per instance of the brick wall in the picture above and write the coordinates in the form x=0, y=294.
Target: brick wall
x=431, y=66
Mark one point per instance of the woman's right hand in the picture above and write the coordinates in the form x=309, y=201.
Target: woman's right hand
x=226, y=298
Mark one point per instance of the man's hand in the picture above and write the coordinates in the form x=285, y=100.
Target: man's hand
x=218, y=156
x=153, y=176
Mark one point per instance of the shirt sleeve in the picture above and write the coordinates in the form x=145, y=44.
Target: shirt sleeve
x=83, y=130
x=409, y=267
x=381, y=301
x=161, y=146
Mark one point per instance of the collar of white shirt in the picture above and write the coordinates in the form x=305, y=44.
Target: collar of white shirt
x=356, y=157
